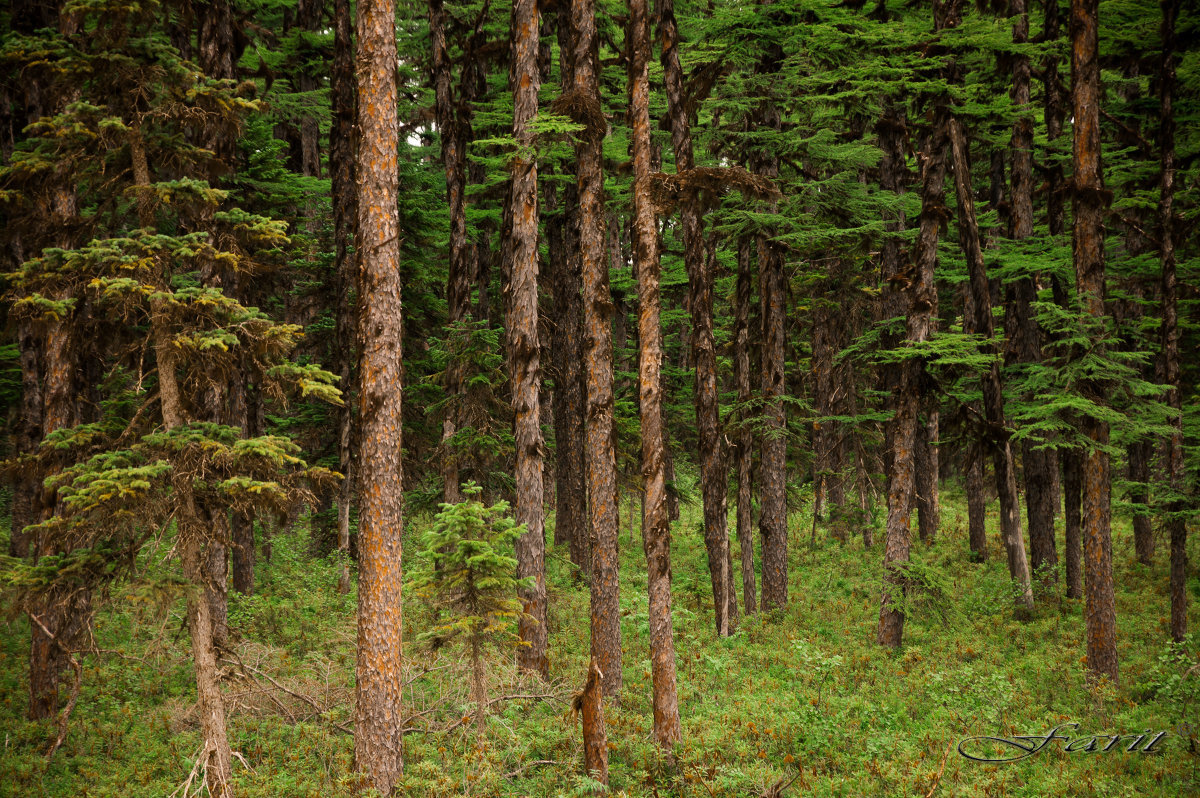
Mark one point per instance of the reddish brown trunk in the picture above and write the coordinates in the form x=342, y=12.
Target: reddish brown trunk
x=1073, y=535
x=656, y=525
x=745, y=436
x=598, y=355
x=595, y=739
x=379, y=721
x=523, y=348
x=1088, y=247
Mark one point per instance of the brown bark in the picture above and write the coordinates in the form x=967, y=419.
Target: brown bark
x=1025, y=335
x=598, y=355
x=1053, y=114
x=342, y=171
x=1088, y=248
x=976, y=505
x=1175, y=524
x=744, y=448
x=523, y=348
x=461, y=266
x=241, y=523
x=595, y=740
x=998, y=435
x=379, y=722
x=656, y=524
x=893, y=136
x=714, y=479
x=921, y=299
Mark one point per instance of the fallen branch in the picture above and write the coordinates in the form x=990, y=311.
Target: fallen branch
x=941, y=770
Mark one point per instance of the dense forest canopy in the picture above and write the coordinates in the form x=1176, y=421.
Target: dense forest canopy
x=873, y=321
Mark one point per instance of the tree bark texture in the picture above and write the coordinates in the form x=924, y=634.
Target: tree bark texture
x=1073, y=524
x=524, y=352
x=926, y=482
x=598, y=354
x=656, y=523
x=379, y=722
x=595, y=739
x=713, y=477
x=1088, y=247
x=998, y=436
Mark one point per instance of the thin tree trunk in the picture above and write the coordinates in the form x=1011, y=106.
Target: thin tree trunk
x=927, y=500
x=1073, y=536
x=714, y=480
x=1088, y=247
x=598, y=355
x=656, y=525
x=745, y=436
x=523, y=348
x=458, y=280
x=1139, y=452
x=1175, y=523
x=993, y=396
x=379, y=722
x=595, y=740
x=345, y=212
x=976, y=505
x=1025, y=334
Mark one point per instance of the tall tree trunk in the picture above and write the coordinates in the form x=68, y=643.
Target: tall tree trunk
x=1139, y=453
x=1073, y=525
x=714, y=481
x=921, y=300
x=993, y=395
x=656, y=525
x=745, y=435
x=1175, y=523
x=458, y=280
x=379, y=722
x=893, y=136
x=1088, y=248
x=976, y=504
x=345, y=212
x=598, y=354
x=193, y=535
x=524, y=352
x=1040, y=465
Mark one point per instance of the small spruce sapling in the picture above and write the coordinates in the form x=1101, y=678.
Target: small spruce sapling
x=468, y=576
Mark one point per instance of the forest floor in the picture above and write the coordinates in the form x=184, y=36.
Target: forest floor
x=801, y=697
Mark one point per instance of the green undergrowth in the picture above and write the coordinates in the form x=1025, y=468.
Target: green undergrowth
x=801, y=697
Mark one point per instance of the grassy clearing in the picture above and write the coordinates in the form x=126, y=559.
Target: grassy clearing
x=804, y=693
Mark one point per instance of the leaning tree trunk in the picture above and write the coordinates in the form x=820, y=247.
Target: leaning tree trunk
x=524, y=354
x=993, y=396
x=1175, y=522
x=656, y=524
x=598, y=355
x=1088, y=248
x=713, y=478
x=379, y=724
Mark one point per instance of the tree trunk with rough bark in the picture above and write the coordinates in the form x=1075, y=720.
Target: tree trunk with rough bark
x=745, y=436
x=379, y=721
x=713, y=477
x=656, y=524
x=1088, y=247
x=524, y=352
x=598, y=354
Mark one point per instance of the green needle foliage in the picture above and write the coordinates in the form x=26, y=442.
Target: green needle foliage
x=467, y=575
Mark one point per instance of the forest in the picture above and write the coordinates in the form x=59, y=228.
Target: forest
x=583, y=397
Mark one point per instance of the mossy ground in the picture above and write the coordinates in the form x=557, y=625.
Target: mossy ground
x=801, y=693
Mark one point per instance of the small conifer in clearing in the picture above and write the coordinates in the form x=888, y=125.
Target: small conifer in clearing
x=468, y=577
